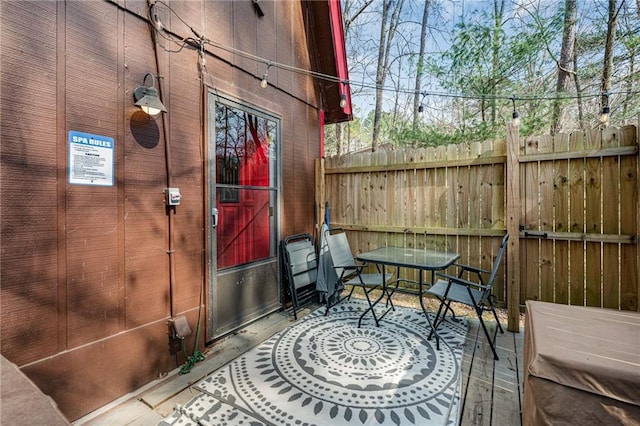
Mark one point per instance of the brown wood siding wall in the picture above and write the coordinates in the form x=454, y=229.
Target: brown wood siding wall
x=85, y=269
x=29, y=302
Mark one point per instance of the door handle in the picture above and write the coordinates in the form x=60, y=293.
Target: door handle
x=214, y=217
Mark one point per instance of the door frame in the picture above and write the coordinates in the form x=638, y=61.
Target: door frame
x=212, y=275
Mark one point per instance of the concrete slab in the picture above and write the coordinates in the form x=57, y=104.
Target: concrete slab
x=220, y=354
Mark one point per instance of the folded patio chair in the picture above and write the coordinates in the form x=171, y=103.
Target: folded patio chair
x=327, y=278
x=350, y=273
x=301, y=270
x=476, y=294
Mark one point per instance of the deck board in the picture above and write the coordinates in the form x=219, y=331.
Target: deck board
x=476, y=408
x=492, y=390
x=506, y=393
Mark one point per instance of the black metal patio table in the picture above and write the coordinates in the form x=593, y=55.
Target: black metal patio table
x=411, y=258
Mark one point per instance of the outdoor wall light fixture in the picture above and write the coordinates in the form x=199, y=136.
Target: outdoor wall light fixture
x=604, y=115
x=515, y=115
x=147, y=97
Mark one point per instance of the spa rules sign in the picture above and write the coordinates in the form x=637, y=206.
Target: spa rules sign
x=90, y=159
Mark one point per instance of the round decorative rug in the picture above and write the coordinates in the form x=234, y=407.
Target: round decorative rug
x=324, y=370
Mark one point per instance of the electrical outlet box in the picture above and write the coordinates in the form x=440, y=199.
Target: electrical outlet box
x=173, y=196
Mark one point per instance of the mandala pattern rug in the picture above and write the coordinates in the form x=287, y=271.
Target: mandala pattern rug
x=324, y=370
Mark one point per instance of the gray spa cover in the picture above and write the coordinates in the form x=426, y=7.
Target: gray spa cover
x=582, y=366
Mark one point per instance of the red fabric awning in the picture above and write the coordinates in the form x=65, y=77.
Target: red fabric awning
x=327, y=46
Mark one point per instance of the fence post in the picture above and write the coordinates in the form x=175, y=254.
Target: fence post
x=512, y=181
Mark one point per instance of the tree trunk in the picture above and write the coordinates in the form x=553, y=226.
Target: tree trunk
x=338, y=138
x=632, y=50
x=419, y=71
x=632, y=70
x=380, y=74
x=348, y=20
x=607, y=67
x=498, y=12
x=566, y=60
x=386, y=37
x=576, y=81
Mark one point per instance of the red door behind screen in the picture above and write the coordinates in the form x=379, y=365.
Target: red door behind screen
x=243, y=177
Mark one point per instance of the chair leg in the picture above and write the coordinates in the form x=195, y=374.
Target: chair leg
x=438, y=320
x=351, y=292
x=332, y=301
x=294, y=304
x=495, y=315
x=492, y=342
x=328, y=304
x=492, y=300
x=373, y=312
x=389, y=301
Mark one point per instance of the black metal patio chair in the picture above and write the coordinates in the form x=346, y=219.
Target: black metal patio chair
x=477, y=294
x=351, y=274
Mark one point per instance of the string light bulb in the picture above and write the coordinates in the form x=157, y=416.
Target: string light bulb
x=604, y=114
x=515, y=115
x=343, y=96
x=264, y=83
x=421, y=106
x=343, y=100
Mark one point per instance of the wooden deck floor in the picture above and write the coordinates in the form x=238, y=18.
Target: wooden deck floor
x=491, y=390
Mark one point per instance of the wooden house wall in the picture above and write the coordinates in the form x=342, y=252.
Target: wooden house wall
x=85, y=269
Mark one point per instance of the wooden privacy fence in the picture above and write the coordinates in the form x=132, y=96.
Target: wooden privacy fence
x=569, y=203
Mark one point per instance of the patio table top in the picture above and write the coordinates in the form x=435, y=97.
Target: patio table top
x=423, y=259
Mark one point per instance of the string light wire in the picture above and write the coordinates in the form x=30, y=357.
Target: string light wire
x=189, y=41
x=363, y=85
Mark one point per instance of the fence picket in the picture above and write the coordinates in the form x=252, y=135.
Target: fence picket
x=530, y=267
x=546, y=219
x=610, y=220
x=561, y=195
x=577, y=224
x=592, y=216
x=629, y=290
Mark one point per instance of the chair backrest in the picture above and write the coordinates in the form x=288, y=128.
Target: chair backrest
x=301, y=260
x=340, y=252
x=497, y=261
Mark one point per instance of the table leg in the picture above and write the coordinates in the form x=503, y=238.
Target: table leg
x=375, y=302
x=424, y=309
x=393, y=289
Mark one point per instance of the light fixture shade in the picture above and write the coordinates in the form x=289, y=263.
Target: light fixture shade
x=147, y=99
